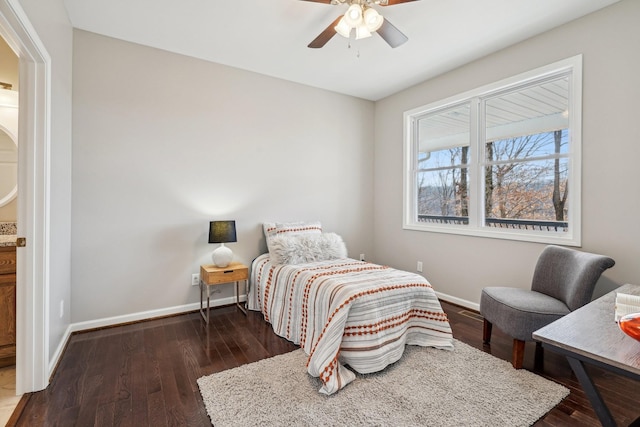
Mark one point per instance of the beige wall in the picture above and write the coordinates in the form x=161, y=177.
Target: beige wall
x=164, y=143
x=8, y=65
x=8, y=74
x=461, y=266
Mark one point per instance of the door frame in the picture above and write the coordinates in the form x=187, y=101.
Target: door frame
x=32, y=293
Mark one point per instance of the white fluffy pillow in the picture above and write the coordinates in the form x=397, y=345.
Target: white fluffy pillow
x=273, y=229
x=303, y=248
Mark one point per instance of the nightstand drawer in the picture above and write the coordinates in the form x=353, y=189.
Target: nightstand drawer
x=212, y=275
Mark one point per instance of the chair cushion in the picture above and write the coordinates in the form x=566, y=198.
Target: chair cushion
x=519, y=312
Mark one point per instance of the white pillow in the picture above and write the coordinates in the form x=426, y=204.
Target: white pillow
x=303, y=248
x=272, y=229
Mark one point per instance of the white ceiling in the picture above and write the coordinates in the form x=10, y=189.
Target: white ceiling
x=271, y=36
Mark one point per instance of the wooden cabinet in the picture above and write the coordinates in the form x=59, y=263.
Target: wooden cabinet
x=7, y=306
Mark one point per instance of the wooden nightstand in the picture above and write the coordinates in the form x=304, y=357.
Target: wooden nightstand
x=211, y=275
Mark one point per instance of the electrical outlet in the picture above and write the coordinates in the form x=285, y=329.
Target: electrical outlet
x=361, y=257
x=195, y=279
x=61, y=308
x=419, y=266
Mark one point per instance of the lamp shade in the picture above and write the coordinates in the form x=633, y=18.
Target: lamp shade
x=362, y=32
x=343, y=28
x=353, y=16
x=222, y=231
x=372, y=19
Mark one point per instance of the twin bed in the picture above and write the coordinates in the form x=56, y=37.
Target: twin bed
x=339, y=310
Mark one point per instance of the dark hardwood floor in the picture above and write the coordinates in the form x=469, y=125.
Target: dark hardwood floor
x=145, y=373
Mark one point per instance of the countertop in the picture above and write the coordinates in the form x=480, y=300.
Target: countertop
x=7, y=240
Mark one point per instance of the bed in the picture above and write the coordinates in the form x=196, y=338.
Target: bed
x=341, y=311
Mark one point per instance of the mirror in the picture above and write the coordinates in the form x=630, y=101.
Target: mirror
x=8, y=168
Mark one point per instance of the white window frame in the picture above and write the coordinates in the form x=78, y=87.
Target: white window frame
x=572, y=68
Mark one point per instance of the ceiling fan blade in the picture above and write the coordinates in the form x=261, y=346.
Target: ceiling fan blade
x=325, y=36
x=325, y=1
x=391, y=34
x=390, y=2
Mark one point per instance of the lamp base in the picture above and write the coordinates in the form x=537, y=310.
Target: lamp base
x=222, y=256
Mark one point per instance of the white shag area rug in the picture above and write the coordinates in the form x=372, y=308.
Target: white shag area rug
x=427, y=387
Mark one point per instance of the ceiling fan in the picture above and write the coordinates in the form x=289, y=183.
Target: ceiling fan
x=362, y=18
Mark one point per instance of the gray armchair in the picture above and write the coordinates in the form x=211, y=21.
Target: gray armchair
x=563, y=281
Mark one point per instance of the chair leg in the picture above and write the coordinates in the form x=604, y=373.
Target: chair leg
x=517, y=355
x=486, y=331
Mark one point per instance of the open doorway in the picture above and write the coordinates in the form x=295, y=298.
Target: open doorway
x=32, y=276
x=9, y=90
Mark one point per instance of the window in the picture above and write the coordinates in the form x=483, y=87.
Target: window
x=500, y=161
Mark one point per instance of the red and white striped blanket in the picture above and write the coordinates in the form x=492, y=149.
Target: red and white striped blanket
x=348, y=312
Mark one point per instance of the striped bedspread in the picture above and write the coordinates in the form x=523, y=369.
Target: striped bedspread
x=348, y=312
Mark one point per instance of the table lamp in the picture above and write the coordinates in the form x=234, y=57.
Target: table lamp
x=222, y=232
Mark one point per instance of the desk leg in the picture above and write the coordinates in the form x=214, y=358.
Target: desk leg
x=244, y=310
x=604, y=415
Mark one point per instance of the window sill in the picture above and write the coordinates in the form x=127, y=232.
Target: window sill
x=553, y=238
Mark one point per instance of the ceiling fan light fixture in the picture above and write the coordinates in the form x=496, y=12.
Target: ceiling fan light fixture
x=362, y=31
x=353, y=17
x=372, y=19
x=362, y=17
x=343, y=28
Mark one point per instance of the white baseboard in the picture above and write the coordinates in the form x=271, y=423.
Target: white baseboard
x=128, y=318
x=56, y=356
x=458, y=301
